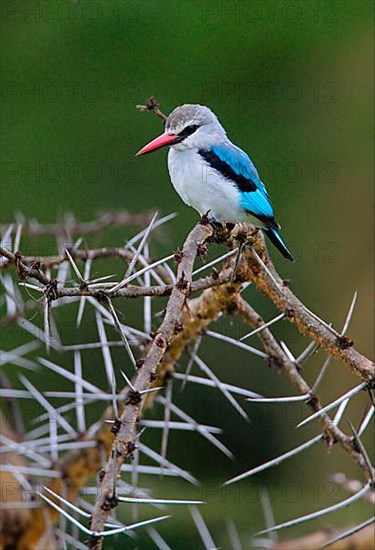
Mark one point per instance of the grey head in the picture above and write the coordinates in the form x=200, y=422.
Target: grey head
x=196, y=126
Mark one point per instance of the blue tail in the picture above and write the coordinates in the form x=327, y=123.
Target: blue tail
x=276, y=240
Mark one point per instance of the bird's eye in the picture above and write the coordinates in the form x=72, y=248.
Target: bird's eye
x=188, y=130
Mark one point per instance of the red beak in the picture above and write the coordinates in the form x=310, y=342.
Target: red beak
x=157, y=143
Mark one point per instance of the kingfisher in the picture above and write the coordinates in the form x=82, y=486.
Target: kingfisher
x=213, y=175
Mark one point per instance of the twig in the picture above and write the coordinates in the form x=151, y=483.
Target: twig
x=71, y=226
x=153, y=106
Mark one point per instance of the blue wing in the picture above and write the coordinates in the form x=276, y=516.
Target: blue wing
x=235, y=165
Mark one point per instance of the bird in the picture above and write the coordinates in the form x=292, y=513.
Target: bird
x=213, y=175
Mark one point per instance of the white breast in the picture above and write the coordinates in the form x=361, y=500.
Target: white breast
x=203, y=188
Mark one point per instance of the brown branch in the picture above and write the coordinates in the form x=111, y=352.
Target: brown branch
x=41, y=263
x=197, y=316
x=24, y=270
x=45, y=262
x=279, y=359
x=71, y=226
x=124, y=442
x=272, y=285
x=23, y=264
x=153, y=106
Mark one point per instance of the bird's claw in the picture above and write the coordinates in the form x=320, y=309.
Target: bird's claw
x=216, y=225
x=206, y=219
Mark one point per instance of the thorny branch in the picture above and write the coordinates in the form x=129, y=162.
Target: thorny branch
x=124, y=443
x=219, y=294
x=270, y=283
x=279, y=358
x=71, y=226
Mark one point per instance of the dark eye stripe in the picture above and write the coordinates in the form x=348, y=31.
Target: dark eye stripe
x=188, y=131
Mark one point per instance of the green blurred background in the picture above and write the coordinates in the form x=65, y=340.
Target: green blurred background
x=291, y=82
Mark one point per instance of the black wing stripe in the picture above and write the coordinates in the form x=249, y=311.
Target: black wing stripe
x=244, y=184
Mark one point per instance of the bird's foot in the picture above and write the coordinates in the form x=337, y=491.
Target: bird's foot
x=216, y=225
x=206, y=219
